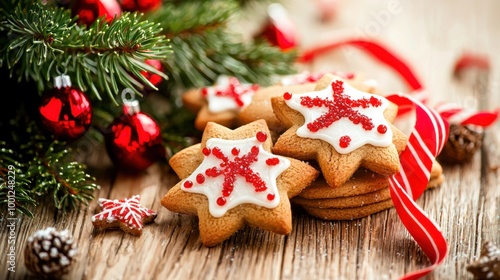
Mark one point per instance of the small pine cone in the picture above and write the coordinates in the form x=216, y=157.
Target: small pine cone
x=49, y=253
x=462, y=144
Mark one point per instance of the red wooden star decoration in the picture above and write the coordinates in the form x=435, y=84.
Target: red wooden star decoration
x=126, y=214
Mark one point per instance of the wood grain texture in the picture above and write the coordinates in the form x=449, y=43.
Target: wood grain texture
x=430, y=35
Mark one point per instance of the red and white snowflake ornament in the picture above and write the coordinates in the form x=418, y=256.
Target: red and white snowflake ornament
x=342, y=116
x=126, y=214
x=228, y=94
x=235, y=172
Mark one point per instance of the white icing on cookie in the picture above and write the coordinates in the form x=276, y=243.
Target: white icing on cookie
x=235, y=172
x=343, y=116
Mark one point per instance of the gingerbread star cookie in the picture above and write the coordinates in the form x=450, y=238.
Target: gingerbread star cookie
x=231, y=179
x=126, y=214
x=357, y=80
x=220, y=103
x=261, y=108
x=340, y=127
x=365, y=193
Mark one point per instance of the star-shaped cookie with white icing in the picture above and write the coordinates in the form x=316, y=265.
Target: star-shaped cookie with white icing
x=231, y=179
x=219, y=103
x=340, y=127
x=126, y=214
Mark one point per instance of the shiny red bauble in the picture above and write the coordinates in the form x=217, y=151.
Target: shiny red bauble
x=90, y=10
x=65, y=111
x=140, y=5
x=133, y=140
x=279, y=30
x=155, y=79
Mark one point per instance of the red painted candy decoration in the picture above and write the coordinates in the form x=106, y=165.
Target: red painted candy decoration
x=272, y=161
x=382, y=129
x=344, y=141
x=188, y=184
x=261, y=136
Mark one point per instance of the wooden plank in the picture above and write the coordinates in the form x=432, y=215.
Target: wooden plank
x=375, y=247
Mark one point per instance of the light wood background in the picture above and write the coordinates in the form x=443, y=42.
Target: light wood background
x=430, y=35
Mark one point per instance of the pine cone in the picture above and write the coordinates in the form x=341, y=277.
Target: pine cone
x=49, y=253
x=462, y=144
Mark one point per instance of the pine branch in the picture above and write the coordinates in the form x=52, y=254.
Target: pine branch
x=42, y=42
x=203, y=48
x=44, y=167
x=14, y=186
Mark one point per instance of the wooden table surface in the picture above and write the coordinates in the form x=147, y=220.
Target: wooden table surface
x=430, y=35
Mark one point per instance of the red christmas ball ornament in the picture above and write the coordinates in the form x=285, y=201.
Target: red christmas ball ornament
x=133, y=140
x=65, y=111
x=279, y=29
x=90, y=10
x=327, y=9
x=140, y=5
x=155, y=79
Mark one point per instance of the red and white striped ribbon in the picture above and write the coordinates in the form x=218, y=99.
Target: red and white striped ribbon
x=425, y=142
x=457, y=114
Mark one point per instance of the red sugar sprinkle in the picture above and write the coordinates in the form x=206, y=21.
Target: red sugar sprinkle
x=261, y=136
x=342, y=106
x=287, y=96
x=235, y=151
x=235, y=90
x=221, y=201
x=226, y=193
x=382, y=129
x=270, y=196
x=188, y=184
x=204, y=91
x=344, y=141
x=206, y=151
x=238, y=166
x=200, y=178
x=272, y=161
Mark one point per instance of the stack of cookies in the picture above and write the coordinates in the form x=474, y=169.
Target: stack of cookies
x=323, y=142
x=344, y=128
x=365, y=193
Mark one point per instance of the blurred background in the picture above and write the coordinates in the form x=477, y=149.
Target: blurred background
x=431, y=36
